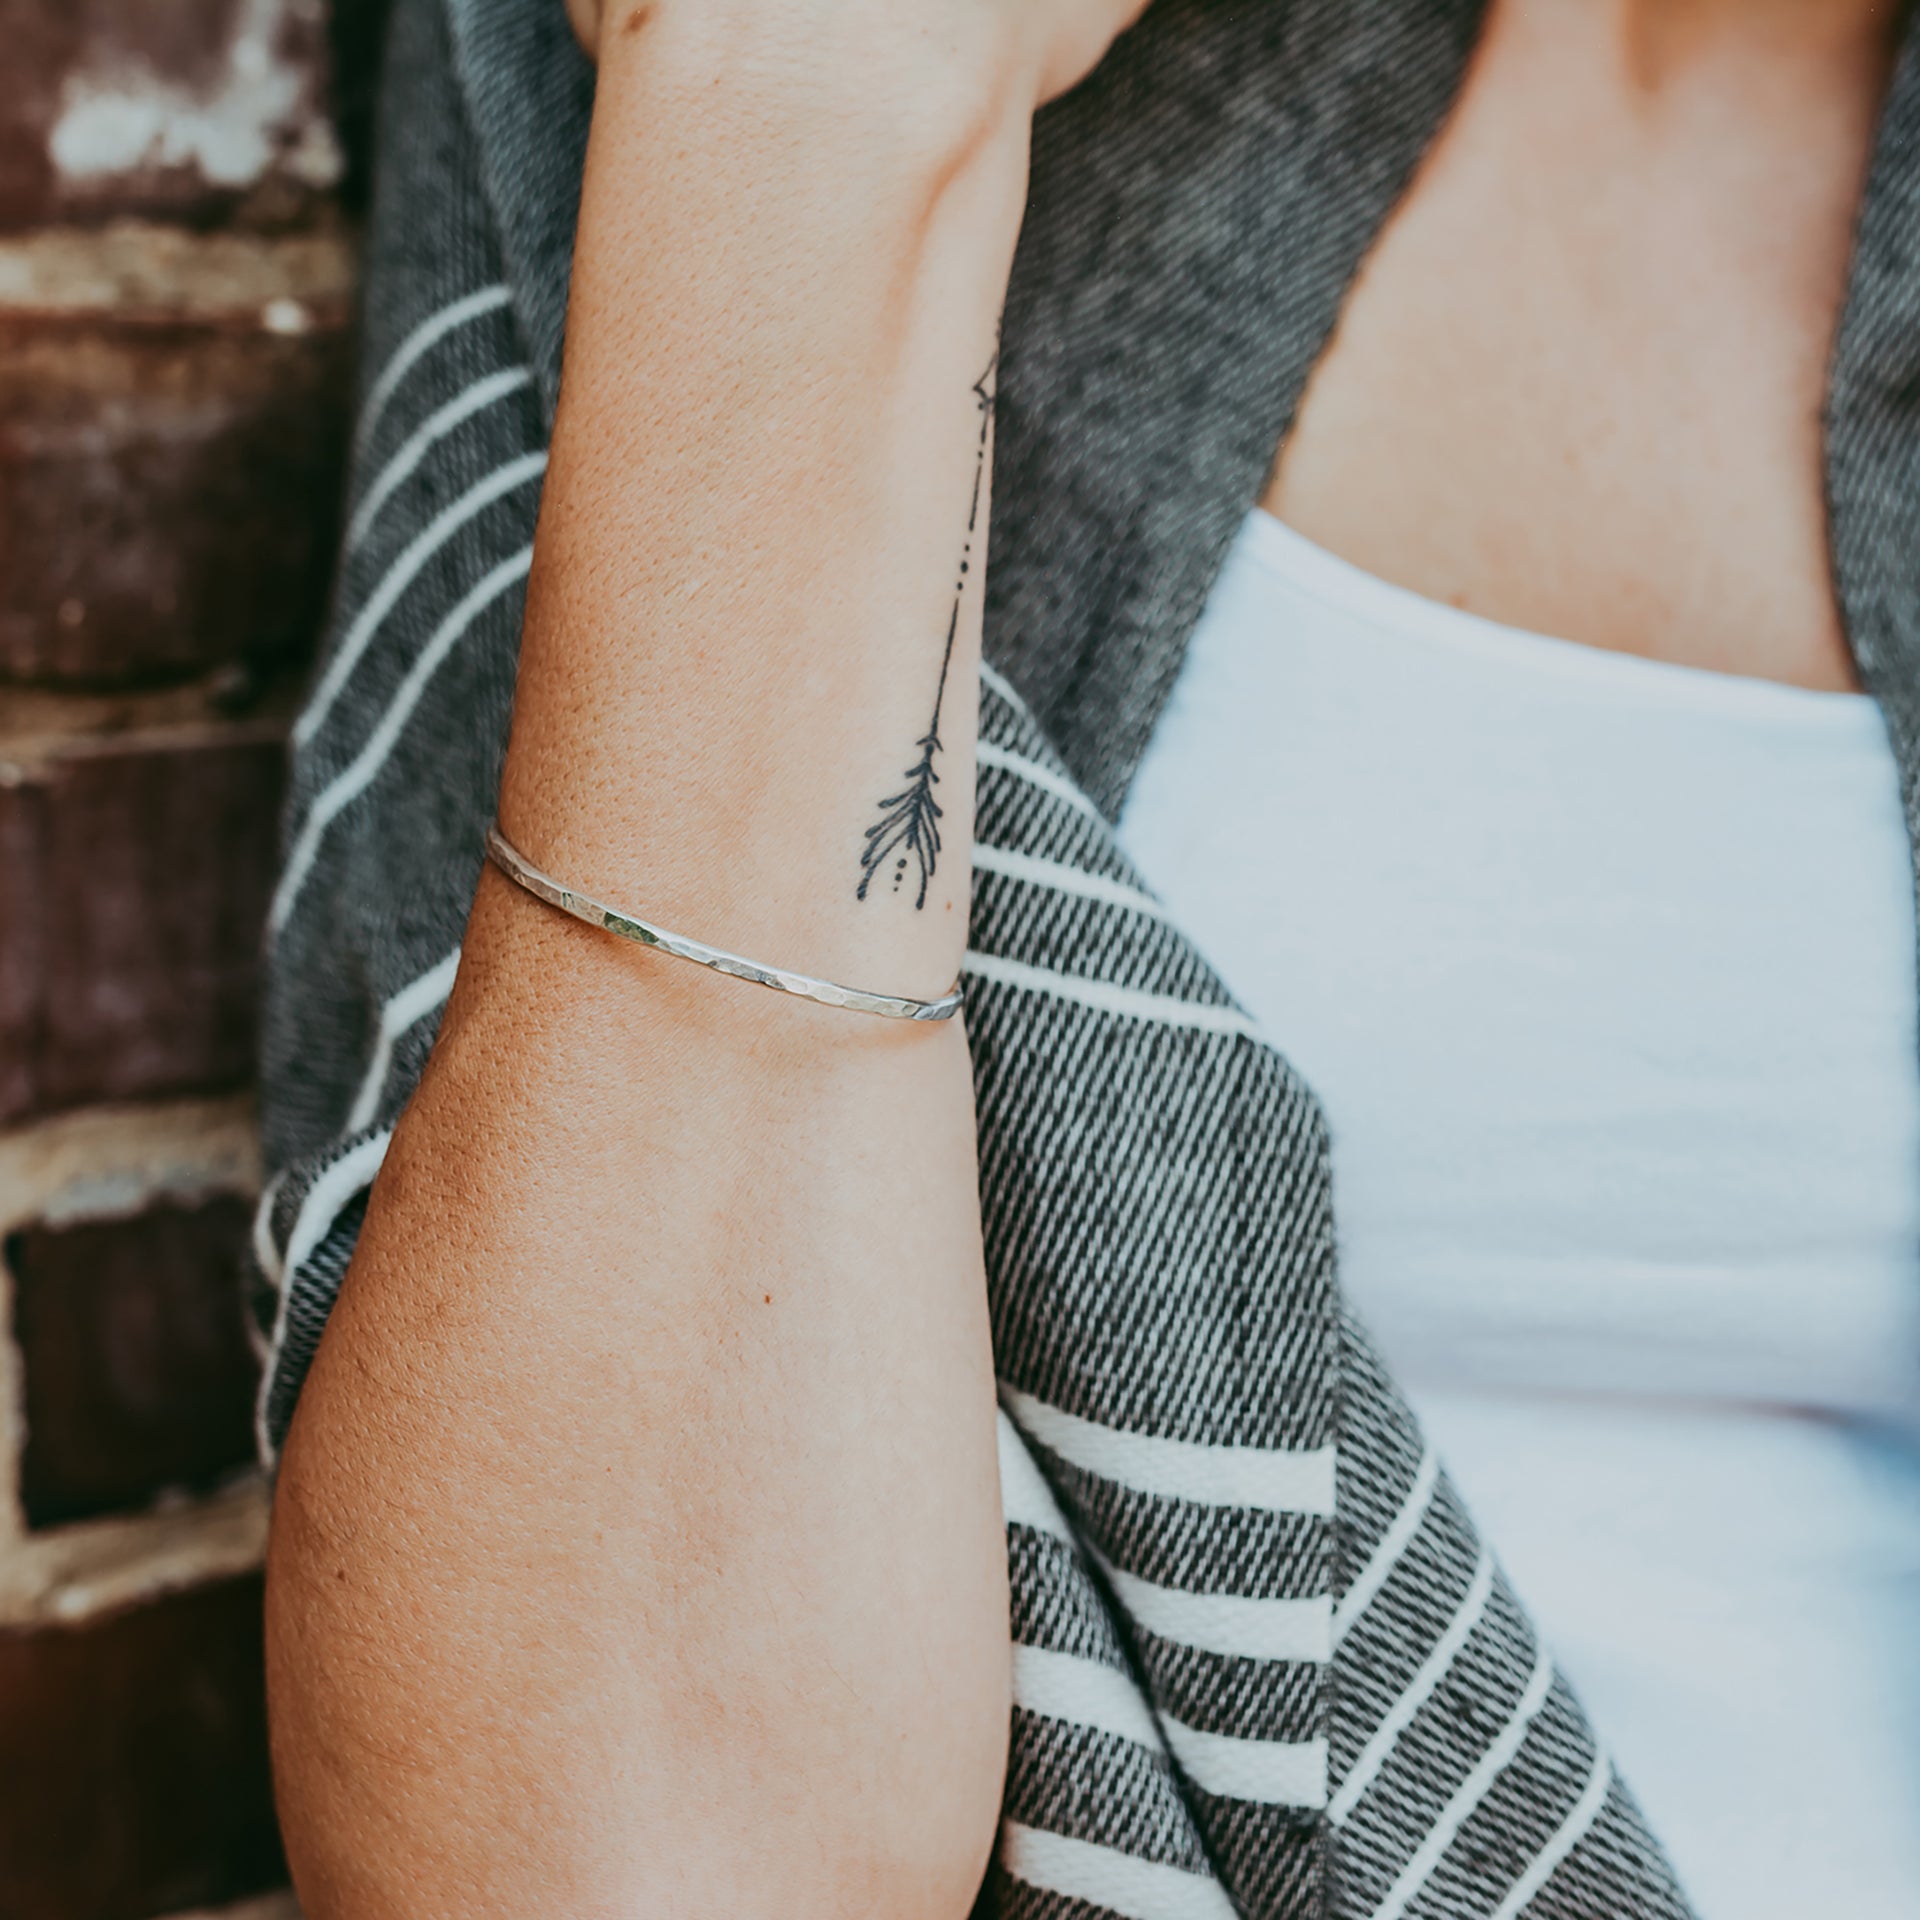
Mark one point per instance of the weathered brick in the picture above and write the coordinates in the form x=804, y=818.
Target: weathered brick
x=156, y=879
x=106, y=1172
x=172, y=421
x=138, y=869
x=133, y=1752
x=196, y=110
x=138, y=1376
x=21, y=967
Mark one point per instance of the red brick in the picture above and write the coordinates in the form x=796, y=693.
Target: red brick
x=198, y=110
x=129, y=938
x=21, y=965
x=134, y=1760
x=138, y=1374
x=167, y=491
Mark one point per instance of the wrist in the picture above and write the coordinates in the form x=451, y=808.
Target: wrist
x=769, y=444
x=924, y=89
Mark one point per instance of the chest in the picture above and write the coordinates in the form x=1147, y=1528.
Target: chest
x=1577, y=385
x=1603, y=971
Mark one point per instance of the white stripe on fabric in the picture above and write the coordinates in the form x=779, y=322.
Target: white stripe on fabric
x=1473, y=1789
x=1271, y=1480
x=1267, y=1773
x=1572, y=1831
x=1025, y=1497
x=1104, y=1877
x=1373, y=1755
x=997, y=682
x=421, y=341
x=1037, y=775
x=327, y=1198
x=1088, y=1693
x=401, y=575
x=266, y=1255
x=1057, y=877
x=1102, y=996
x=1229, y=1623
x=360, y=772
x=1083, y=1693
x=412, y=1003
x=462, y=407
x=1393, y=1543
x=336, y=1184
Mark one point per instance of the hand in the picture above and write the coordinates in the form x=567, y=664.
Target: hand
x=1057, y=42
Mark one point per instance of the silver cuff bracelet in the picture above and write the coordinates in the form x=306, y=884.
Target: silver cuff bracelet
x=523, y=873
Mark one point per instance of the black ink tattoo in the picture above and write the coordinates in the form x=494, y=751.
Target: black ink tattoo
x=907, y=834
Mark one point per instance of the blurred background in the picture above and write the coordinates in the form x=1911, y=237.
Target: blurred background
x=180, y=182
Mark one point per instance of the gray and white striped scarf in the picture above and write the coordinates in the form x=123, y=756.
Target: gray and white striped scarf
x=1263, y=1664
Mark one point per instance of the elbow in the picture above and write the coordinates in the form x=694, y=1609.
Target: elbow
x=426, y=1766
x=951, y=1844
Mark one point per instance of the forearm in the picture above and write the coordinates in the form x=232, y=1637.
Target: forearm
x=637, y=1546
x=762, y=493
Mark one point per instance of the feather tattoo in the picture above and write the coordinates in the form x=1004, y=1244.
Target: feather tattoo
x=905, y=840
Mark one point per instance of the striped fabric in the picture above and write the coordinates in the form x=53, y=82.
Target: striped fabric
x=1263, y=1664
x=1258, y=1642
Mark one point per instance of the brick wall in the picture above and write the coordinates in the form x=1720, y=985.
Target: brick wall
x=175, y=289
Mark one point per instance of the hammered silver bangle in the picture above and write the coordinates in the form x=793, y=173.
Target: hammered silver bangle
x=523, y=873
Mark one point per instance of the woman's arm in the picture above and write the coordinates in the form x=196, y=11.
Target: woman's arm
x=637, y=1547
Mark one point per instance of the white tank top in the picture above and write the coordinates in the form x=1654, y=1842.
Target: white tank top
x=1604, y=971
